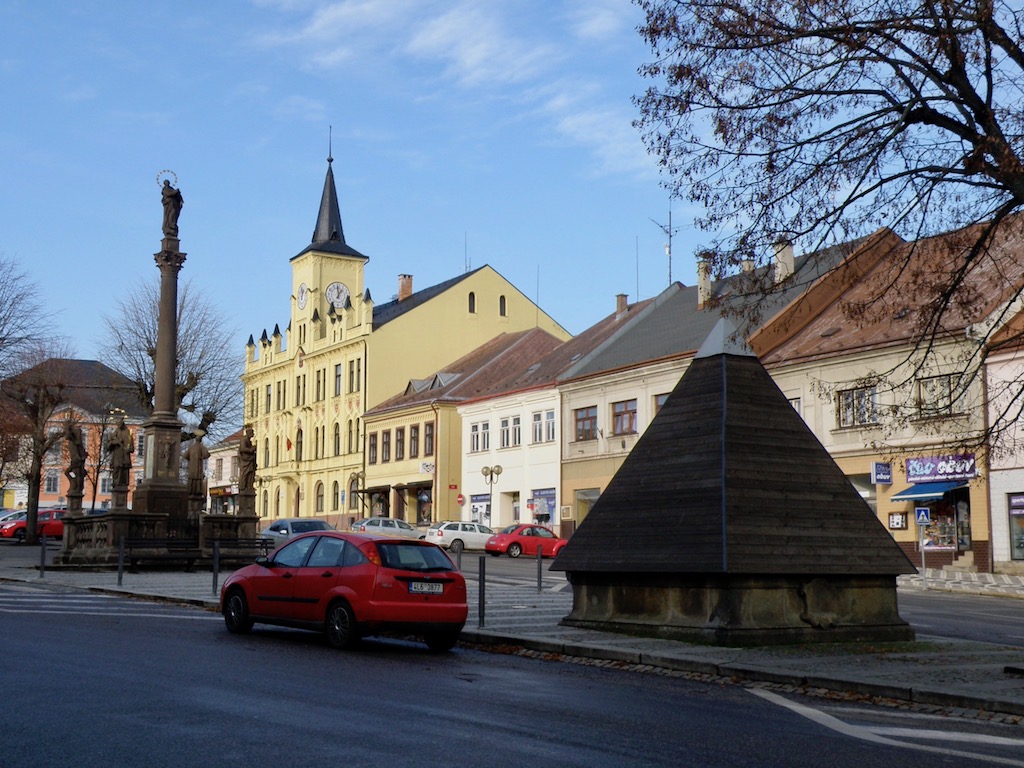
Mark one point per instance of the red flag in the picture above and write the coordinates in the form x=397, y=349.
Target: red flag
x=288, y=444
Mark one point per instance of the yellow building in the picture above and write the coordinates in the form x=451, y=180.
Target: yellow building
x=307, y=389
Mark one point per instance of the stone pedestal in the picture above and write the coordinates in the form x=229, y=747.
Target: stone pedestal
x=74, y=503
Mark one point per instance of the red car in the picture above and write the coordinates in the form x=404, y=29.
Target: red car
x=519, y=538
x=349, y=585
x=49, y=524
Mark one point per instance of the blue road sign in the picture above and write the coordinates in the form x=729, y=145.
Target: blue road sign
x=923, y=515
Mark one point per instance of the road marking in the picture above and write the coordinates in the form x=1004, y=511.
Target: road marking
x=875, y=735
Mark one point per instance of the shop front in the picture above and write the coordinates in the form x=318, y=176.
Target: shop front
x=938, y=501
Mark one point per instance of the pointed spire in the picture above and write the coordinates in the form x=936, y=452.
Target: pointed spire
x=328, y=222
x=328, y=234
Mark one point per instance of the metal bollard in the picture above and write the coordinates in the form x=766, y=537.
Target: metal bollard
x=216, y=565
x=458, y=559
x=540, y=570
x=42, y=556
x=480, y=595
x=120, y=561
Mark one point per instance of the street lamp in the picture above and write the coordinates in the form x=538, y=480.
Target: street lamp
x=491, y=475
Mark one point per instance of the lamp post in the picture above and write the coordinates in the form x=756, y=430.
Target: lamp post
x=491, y=475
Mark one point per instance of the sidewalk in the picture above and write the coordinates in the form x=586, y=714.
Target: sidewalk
x=959, y=677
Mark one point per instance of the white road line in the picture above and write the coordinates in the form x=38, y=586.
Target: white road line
x=120, y=614
x=873, y=734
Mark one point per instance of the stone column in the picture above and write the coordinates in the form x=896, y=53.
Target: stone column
x=161, y=489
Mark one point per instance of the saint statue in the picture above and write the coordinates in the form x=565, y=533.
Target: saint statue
x=246, y=462
x=173, y=202
x=75, y=472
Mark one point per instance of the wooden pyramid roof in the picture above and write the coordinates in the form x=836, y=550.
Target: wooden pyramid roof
x=729, y=479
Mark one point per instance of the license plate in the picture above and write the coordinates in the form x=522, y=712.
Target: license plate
x=426, y=587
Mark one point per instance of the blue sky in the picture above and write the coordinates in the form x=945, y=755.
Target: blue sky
x=464, y=132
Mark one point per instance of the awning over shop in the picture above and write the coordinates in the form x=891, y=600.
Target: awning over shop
x=928, y=491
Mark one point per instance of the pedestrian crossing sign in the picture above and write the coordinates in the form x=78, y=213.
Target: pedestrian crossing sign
x=923, y=515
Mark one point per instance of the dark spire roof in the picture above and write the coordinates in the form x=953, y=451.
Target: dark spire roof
x=729, y=479
x=329, y=235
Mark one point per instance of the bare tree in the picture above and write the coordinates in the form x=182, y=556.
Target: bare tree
x=207, y=373
x=19, y=315
x=34, y=393
x=820, y=121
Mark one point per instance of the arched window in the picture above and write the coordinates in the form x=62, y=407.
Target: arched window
x=353, y=494
x=319, y=498
x=337, y=439
x=277, y=503
x=472, y=303
x=502, y=307
x=298, y=445
x=350, y=443
x=266, y=453
x=266, y=503
x=335, y=496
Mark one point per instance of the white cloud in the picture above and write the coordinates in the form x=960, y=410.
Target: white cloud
x=479, y=49
x=602, y=20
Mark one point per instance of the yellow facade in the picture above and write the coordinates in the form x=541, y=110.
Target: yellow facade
x=307, y=387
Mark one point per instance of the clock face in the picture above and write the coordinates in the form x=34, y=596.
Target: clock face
x=303, y=296
x=337, y=294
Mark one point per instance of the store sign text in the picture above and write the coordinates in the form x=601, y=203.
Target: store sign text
x=925, y=469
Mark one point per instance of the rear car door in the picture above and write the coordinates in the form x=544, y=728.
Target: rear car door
x=316, y=578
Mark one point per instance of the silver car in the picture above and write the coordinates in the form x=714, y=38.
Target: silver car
x=389, y=525
x=280, y=531
x=458, y=536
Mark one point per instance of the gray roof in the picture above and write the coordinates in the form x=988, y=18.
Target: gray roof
x=729, y=479
x=677, y=325
x=89, y=385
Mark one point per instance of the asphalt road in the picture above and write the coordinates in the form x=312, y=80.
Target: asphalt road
x=94, y=680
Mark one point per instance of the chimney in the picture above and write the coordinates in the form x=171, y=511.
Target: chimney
x=784, y=260
x=703, y=282
x=621, y=304
x=404, y=287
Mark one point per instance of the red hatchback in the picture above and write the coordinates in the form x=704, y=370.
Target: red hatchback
x=517, y=539
x=349, y=585
x=49, y=524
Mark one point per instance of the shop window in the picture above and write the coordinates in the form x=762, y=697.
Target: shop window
x=1015, y=504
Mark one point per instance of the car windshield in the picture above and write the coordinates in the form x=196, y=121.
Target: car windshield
x=302, y=526
x=409, y=556
x=510, y=528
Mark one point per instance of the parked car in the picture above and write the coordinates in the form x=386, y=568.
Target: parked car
x=391, y=526
x=48, y=523
x=350, y=585
x=281, y=530
x=457, y=536
x=518, y=538
x=9, y=515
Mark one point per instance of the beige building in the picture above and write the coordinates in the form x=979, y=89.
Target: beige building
x=307, y=388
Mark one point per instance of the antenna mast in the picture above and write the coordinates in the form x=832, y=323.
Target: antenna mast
x=669, y=230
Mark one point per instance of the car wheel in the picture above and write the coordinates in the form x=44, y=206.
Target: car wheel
x=457, y=546
x=340, y=625
x=20, y=537
x=514, y=550
x=236, y=613
x=441, y=641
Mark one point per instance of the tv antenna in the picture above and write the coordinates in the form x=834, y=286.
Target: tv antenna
x=669, y=230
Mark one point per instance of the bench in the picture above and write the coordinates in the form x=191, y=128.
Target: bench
x=167, y=549
x=232, y=547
